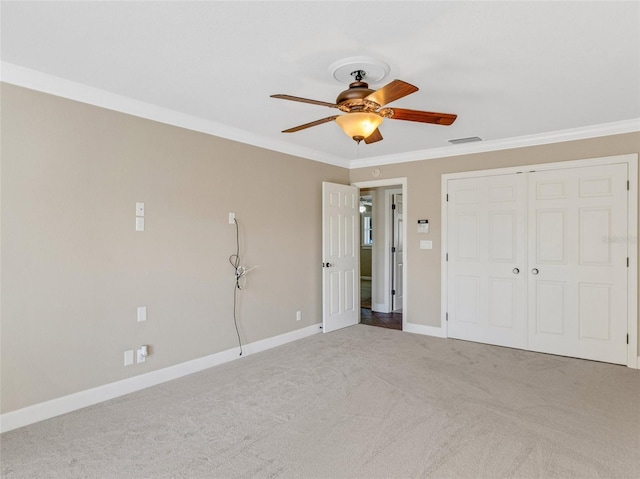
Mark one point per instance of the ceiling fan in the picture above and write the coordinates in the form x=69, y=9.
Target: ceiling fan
x=364, y=109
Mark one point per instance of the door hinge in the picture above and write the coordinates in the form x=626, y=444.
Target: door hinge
x=627, y=261
x=627, y=338
x=627, y=185
x=393, y=249
x=393, y=206
x=393, y=292
x=447, y=196
x=446, y=315
x=447, y=257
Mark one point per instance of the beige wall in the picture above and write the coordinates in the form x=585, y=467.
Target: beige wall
x=424, y=194
x=74, y=270
x=365, y=261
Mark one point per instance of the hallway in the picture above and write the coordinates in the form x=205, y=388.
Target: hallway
x=373, y=318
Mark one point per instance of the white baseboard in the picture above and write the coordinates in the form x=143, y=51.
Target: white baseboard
x=72, y=402
x=438, y=332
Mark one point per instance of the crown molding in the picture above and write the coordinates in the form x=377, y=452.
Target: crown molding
x=559, y=136
x=53, y=85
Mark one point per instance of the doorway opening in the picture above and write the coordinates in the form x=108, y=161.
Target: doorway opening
x=382, y=256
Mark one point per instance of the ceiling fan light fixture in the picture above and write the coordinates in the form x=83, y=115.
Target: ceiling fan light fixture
x=363, y=109
x=359, y=125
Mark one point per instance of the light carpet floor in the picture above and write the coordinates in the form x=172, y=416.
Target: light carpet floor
x=362, y=402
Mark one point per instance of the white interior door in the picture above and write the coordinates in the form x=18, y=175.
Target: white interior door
x=487, y=260
x=340, y=256
x=578, y=262
x=397, y=253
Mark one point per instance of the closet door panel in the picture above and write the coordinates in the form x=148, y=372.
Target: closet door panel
x=577, y=270
x=486, y=267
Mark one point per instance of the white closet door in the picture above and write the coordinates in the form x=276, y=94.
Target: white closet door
x=487, y=263
x=577, y=270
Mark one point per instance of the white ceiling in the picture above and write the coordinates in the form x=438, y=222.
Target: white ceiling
x=508, y=69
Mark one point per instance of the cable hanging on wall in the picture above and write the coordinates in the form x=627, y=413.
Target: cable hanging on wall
x=240, y=272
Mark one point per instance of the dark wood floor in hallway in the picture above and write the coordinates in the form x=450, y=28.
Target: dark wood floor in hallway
x=373, y=318
x=383, y=320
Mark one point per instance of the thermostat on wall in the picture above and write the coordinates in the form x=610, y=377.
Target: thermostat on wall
x=423, y=226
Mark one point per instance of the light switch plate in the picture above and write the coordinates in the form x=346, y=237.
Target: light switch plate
x=139, y=224
x=140, y=209
x=142, y=313
x=426, y=244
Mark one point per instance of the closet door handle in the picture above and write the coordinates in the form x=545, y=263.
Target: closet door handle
x=516, y=270
x=534, y=271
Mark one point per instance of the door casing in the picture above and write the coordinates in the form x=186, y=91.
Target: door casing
x=402, y=183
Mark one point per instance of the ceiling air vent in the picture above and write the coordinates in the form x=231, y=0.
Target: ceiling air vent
x=470, y=139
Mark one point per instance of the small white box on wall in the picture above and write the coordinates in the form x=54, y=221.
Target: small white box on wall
x=426, y=244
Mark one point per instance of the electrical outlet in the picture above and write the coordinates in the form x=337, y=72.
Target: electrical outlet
x=141, y=354
x=232, y=218
x=298, y=315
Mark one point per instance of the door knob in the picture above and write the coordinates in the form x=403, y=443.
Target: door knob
x=534, y=271
x=516, y=270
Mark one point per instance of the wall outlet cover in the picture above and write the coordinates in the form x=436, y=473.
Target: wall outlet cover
x=141, y=355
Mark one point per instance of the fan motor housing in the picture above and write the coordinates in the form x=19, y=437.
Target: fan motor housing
x=354, y=99
x=358, y=90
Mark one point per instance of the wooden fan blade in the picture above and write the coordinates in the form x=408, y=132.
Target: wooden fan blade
x=373, y=137
x=309, y=125
x=423, y=116
x=305, y=100
x=392, y=92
